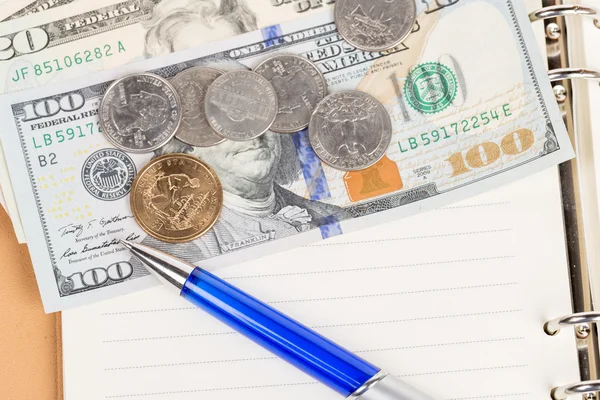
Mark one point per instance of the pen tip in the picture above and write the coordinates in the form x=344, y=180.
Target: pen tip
x=127, y=244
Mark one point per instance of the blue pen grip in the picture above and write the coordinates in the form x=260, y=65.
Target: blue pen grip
x=327, y=362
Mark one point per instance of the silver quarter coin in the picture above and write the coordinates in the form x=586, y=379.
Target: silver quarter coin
x=191, y=85
x=375, y=25
x=350, y=130
x=241, y=105
x=140, y=113
x=299, y=85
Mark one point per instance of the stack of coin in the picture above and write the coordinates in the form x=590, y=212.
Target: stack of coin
x=178, y=197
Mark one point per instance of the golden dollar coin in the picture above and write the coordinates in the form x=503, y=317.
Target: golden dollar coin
x=176, y=198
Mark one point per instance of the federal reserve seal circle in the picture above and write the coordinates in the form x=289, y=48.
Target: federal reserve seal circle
x=430, y=87
x=108, y=174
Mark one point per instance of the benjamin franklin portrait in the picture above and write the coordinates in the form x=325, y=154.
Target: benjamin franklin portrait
x=255, y=174
x=180, y=24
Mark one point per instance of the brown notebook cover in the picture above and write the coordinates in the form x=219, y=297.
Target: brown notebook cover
x=30, y=340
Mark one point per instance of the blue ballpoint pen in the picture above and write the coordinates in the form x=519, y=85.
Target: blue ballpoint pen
x=339, y=369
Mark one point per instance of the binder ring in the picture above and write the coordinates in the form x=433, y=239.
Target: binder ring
x=562, y=10
x=562, y=392
x=554, y=326
x=570, y=73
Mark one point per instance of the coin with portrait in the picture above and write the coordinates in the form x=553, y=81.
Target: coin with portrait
x=299, y=85
x=191, y=86
x=140, y=113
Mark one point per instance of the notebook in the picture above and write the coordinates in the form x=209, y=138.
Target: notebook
x=453, y=301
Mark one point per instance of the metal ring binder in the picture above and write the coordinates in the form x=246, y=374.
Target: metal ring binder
x=567, y=9
x=554, y=326
x=574, y=205
x=571, y=73
x=562, y=392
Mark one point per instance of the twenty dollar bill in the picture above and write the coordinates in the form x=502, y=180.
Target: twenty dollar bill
x=470, y=112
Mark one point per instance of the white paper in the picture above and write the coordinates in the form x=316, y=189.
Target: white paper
x=453, y=301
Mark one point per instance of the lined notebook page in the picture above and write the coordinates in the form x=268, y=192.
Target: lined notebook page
x=453, y=301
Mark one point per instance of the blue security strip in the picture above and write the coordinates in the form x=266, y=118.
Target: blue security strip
x=316, y=181
x=312, y=169
x=314, y=176
x=331, y=227
x=271, y=32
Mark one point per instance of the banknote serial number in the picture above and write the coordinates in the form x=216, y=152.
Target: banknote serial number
x=66, y=135
x=68, y=61
x=453, y=130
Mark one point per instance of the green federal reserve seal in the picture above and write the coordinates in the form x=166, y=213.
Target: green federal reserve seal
x=430, y=87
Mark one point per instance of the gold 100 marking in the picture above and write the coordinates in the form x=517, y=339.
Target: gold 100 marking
x=512, y=144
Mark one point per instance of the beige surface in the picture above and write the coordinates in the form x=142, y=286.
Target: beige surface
x=30, y=351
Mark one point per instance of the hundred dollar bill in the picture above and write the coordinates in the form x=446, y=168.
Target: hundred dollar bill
x=470, y=112
x=87, y=36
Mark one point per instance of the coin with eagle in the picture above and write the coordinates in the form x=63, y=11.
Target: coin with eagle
x=375, y=25
x=350, y=130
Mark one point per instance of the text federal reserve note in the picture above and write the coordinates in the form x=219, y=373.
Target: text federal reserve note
x=469, y=113
x=87, y=36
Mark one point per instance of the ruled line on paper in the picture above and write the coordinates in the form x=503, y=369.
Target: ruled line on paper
x=409, y=292
x=492, y=368
x=286, y=385
x=342, y=270
x=326, y=244
x=501, y=203
x=364, y=323
x=361, y=296
x=460, y=371
x=328, y=326
x=430, y=345
x=209, y=390
x=489, y=396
